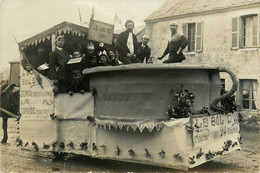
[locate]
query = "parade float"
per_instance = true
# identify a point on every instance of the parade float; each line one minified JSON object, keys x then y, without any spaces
{"x":157,"y":114}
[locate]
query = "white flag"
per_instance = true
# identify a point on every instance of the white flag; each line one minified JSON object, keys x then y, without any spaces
{"x":117,"y":19}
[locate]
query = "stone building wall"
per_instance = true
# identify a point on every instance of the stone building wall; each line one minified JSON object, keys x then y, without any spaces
{"x":217,"y":43}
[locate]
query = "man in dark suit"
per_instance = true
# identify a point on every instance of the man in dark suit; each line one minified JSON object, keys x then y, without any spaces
{"x":58,"y":66}
{"x":145,"y":50}
{"x":127,"y":45}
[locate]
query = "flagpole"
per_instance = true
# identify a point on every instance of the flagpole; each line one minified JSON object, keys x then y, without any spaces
{"x":16,"y":40}
{"x":80,"y":16}
{"x":115,"y":19}
{"x":92,"y":16}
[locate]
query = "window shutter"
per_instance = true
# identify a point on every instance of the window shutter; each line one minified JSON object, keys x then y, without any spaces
{"x":199,"y":37}
{"x":235,"y":36}
{"x":185,"y":33}
{"x":259,"y":30}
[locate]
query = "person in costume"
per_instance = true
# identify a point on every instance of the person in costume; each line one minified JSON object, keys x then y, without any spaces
{"x":175,"y":46}
{"x":127,"y":45}
{"x":112,"y":58}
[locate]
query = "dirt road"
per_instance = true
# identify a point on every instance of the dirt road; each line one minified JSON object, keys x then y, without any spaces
{"x":17,"y":160}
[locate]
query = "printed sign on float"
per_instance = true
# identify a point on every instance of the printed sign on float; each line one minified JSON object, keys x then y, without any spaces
{"x":101,"y":32}
{"x":214,"y":127}
{"x":36,"y":102}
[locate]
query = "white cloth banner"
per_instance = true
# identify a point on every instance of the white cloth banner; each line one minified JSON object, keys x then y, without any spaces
{"x":78,"y":106}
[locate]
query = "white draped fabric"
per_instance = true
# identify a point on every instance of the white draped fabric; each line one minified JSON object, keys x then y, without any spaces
{"x":130,"y":42}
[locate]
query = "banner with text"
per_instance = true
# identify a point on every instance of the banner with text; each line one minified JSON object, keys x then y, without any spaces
{"x":101,"y":32}
{"x":214,"y":127}
{"x":36,"y":100}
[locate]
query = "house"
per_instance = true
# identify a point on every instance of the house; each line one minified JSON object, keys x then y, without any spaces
{"x":219,"y":31}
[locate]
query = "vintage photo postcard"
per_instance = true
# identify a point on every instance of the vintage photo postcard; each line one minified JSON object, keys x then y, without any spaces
{"x":129,"y":86}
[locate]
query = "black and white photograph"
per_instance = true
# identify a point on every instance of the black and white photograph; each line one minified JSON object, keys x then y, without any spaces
{"x":130,"y":86}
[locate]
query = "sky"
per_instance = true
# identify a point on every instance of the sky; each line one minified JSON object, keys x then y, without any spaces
{"x":21,"y":19}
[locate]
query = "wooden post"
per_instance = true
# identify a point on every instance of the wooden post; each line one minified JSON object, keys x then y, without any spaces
{"x":53,"y":40}
{"x":9,"y":113}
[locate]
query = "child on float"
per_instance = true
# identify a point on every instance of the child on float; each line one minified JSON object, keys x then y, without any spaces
{"x":90,"y":54}
{"x":77,"y":80}
{"x":103,"y":59}
{"x":112,"y":58}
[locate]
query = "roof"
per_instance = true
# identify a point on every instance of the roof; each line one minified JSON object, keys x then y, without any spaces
{"x":137,"y":30}
{"x":64,"y":27}
{"x":16,"y":60}
{"x":181,"y":7}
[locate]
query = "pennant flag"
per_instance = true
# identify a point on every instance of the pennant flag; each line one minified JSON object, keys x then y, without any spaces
{"x":92,"y":13}
{"x":127,"y":127}
{"x":141,"y":127}
{"x":120,"y":125}
{"x":60,"y":31}
{"x":159,"y":127}
{"x":115,"y":125}
{"x":64,"y":30}
{"x":150,"y":126}
{"x":109,"y":126}
{"x":117,"y":19}
{"x":134,"y":127}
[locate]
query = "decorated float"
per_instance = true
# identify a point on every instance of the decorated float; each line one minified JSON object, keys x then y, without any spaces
{"x":157,"y":114}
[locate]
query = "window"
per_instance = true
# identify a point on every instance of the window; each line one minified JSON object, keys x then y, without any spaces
{"x":191,"y":37}
{"x":193,"y":32}
{"x":223,"y":86}
{"x":249,"y":31}
{"x":249,"y":94}
{"x":246,"y":31}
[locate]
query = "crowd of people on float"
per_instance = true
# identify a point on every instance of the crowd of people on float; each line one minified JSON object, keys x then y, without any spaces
{"x":65,"y":70}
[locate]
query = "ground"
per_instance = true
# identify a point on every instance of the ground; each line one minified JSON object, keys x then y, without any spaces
{"x":17,"y":160}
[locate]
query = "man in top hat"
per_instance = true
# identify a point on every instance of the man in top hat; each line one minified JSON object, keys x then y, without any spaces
{"x":58,"y":66}
{"x":127,"y":45}
{"x":145,"y":50}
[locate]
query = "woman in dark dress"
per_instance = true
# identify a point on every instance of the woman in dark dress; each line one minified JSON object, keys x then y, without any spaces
{"x":176,"y":44}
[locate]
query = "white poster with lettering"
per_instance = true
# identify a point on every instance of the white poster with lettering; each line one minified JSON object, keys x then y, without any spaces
{"x":36,"y":96}
{"x":101,"y":32}
{"x":211,"y":128}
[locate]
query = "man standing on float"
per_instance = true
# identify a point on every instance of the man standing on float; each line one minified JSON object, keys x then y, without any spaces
{"x":127,"y":45}
{"x":176,"y":44}
{"x":58,"y":66}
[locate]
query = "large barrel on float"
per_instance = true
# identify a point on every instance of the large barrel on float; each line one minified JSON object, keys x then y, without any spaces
{"x":143,"y":91}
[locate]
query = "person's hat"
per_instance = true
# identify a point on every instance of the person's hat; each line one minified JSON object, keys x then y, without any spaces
{"x":90,"y":46}
{"x":102,"y":53}
{"x":146,"y":36}
{"x":173,"y":23}
{"x":60,"y":37}
{"x":129,"y":21}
